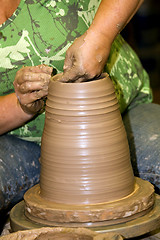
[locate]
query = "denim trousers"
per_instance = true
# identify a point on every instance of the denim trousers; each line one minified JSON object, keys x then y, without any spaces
{"x":19,"y":159}
{"x":19,"y":169}
{"x":142,"y":125}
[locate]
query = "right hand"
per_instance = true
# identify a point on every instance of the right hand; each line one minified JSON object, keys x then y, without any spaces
{"x":86,"y":57}
{"x":31,"y":86}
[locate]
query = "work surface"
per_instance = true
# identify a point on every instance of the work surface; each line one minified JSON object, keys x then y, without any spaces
{"x":152,"y":236}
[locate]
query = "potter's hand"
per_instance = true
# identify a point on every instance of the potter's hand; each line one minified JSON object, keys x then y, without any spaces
{"x":31,"y":86}
{"x":86,"y":57}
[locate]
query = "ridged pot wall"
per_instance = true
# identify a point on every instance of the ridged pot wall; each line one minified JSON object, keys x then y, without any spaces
{"x":85,"y":156}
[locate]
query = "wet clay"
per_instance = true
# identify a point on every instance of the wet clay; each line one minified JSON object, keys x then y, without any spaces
{"x":61,"y":234}
{"x":85,"y":156}
{"x":43,"y":211}
{"x":86,"y":175}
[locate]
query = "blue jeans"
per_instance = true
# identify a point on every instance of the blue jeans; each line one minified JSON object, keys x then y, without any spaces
{"x":19,"y":160}
{"x":19,"y":169}
{"x":142,"y":125}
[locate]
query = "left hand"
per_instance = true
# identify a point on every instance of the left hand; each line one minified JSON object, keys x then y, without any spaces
{"x":86,"y":57}
{"x":31,"y":86}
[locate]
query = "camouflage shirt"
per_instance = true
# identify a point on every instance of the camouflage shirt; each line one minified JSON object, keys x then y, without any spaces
{"x":40,"y":32}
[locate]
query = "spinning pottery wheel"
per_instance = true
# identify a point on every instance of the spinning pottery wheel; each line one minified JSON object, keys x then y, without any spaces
{"x":86,"y":174}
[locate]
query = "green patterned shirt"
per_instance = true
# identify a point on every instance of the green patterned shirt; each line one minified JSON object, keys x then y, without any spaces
{"x":40,"y":32}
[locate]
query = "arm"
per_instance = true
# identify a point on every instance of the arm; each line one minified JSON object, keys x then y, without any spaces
{"x":31,"y":86}
{"x":12,"y":115}
{"x":86,"y":58}
{"x":112,"y":16}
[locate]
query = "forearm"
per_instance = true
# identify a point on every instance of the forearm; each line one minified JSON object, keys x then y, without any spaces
{"x":112,"y":16}
{"x":87,"y":56}
{"x":11,"y":114}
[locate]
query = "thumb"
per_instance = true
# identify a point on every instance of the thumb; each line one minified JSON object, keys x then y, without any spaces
{"x":72,"y":75}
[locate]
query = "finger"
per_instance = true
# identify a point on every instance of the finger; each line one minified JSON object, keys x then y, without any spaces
{"x":81,"y":79}
{"x":33,"y":86}
{"x":33,"y":107}
{"x":31,"y":97}
{"x":32,"y":76}
{"x":72,"y":75}
{"x":29,"y":70}
{"x":38,"y":69}
{"x":69,"y":76}
{"x":38,"y":94}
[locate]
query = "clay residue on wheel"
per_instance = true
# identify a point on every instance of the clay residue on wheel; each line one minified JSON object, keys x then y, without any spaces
{"x":63,"y":236}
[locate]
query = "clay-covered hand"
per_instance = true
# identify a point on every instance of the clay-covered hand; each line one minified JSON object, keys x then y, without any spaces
{"x":85,"y":59}
{"x":31,"y":87}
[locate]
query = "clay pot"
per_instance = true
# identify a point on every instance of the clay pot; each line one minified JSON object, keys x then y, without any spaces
{"x":85,"y":156}
{"x":60,"y":234}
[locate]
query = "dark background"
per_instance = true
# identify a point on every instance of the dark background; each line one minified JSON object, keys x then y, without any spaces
{"x":143,"y":34}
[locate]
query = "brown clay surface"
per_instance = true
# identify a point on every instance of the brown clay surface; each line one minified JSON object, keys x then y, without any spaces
{"x":47,"y":212}
{"x":85,"y":156}
{"x":60,"y":234}
{"x":136,"y":227}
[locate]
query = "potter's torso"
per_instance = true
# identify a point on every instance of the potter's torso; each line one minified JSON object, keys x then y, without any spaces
{"x":40,"y":32}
